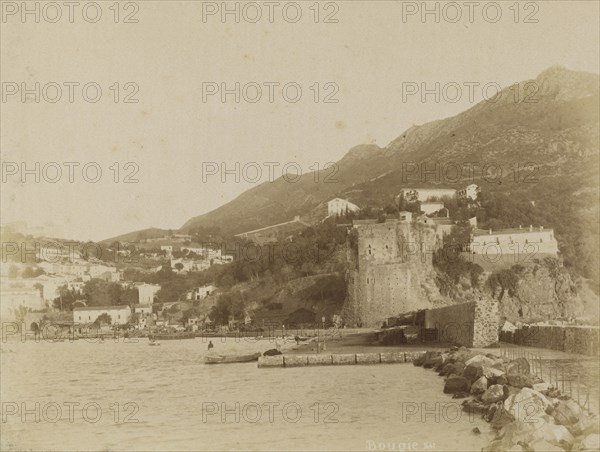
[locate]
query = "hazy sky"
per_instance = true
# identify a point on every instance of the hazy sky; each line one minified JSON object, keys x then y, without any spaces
{"x":170,"y":52}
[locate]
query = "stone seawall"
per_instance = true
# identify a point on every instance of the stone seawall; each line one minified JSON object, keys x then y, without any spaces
{"x":473,"y":324}
{"x":343,"y":359}
{"x":571,"y":339}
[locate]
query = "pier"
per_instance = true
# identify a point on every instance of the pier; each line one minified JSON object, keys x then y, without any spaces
{"x":342,"y":359}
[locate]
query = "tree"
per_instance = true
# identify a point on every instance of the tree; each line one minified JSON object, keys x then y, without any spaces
{"x":179,"y":266}
{"x":31,"y":272}
{"x":103,"y":319}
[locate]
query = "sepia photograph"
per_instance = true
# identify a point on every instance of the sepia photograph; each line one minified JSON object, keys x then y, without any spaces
{"x":311,"y":225}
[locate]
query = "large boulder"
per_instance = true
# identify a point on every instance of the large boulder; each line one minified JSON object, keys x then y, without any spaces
{"x":516,"y":432}
{"x":518,"y":366}
{"x":453,"y":368}
{"x":586,"y":425}
{"x":591,"y":442}
{"x":482,"y":360}
{"x":432,"y":360}
{"x":527,"y":405}
{"x":541,"y":387}
{"x":567,"y":412}
{"x":491,"y":372}
{"x":499,"y":380}
{"x":455,"y":385}
{"x":474,"y":406}
{"x":463,"y":354}
{"x":520,"y":381}
{"x":480,"y":386}
{"x":419,"y":360}
{"x":554,"y":434}
{"x":497,"y":415}
{"x":473,"y":372}
{"x":493,"y":394}
{"x":545,"y":446}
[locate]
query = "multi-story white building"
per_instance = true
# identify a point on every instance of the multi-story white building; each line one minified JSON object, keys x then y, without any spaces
{"x":119,"y":315}
{"x":146,"y":293}
{"x":338,"y":206}
{"x":525,"y":241}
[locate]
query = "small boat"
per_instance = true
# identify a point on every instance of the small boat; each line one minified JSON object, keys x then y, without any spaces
{"x":220,"y":359}
{"x":154,"y":343}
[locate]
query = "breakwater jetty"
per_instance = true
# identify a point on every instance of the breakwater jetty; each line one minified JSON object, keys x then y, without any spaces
{"x":342,"y":359}
{"x":527,"y":413}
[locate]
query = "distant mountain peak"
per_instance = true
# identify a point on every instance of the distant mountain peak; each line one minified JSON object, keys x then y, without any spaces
{"x":566,"y":85}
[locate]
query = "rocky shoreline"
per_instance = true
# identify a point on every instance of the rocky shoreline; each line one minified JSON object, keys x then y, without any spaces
{"x":526,"y":413}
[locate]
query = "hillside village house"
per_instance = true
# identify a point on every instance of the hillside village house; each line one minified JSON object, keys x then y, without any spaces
{"x":144,"y":315}
{"x":199,"y":293}
{"x":338,"y":206}
{"x":119,"y":315}
{"x":51,"y":285}
{"x":431,"y":207}
{"x":514,"y":241}
{"x":146,"y":293}
{"x":469,"y":192}
{"x":168,"y":249}
{"x":426,"y":194}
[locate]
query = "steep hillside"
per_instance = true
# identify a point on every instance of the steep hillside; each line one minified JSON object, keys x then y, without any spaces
{"x":554,"y":126}
{"x":535,"y":147}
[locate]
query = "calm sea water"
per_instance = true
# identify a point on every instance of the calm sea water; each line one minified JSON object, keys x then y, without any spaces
{"x":138,"y":397}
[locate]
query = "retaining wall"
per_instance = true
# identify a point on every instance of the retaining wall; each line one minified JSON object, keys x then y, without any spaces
{"x":570,"y":339}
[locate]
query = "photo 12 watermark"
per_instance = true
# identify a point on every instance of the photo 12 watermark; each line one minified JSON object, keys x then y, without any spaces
{"x":69,"y":172}
{"x":255,"y":172}
{"x":62,"y":12}
{"x":269,"y":412}
{"x":469,"y":12}
{"x":229,"y":12}
{"x":68,"y":411}
{"x":289,"y":92}
{"x":453,"y":92}
{"x":90,"y":92}
{"x":453,"y":172}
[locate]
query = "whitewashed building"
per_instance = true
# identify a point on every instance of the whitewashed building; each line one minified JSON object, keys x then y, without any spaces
{"x":525,"y":241}
{"x":199,"y":293}
{"x":119,"y":315}
{"x":146,"y":293}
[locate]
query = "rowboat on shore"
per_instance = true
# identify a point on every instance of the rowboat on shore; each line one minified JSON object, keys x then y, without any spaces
{"x":220,"y":359}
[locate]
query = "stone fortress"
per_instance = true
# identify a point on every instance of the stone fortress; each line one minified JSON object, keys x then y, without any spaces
{"x":391,"y":272}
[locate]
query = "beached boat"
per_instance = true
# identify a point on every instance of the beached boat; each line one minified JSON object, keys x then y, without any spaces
{"x":220,"y":359}
{"x":154,"y":343}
